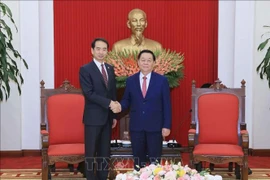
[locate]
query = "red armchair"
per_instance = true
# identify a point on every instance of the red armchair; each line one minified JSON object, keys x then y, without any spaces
{"x":62,"y":130}
{"x":218,"y":130}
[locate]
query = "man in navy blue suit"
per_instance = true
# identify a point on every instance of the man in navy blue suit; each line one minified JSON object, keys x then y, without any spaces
{"x":148,"y":96}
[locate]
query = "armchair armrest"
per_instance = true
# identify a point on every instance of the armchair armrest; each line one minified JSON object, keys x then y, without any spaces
{"x":44,"y":138}
{"x":245,"y":139}
{"x":44,"y":132}
{"x":191,"y":137}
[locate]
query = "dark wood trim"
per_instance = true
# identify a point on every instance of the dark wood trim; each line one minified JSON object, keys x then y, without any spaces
{"x":260,"y":152}
{"x":31,"y":153}
{"x":11,"y":153}
{"x":20,"y":153}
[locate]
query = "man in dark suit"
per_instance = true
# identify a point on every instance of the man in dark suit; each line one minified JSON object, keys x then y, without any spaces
{"x":148,"y":96}
{"x":98,"y":84}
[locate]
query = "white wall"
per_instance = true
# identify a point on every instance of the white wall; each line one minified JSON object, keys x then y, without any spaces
{"x":10,"y":129}
{"x":238,"y":57}
{"x":243,"y":54}
{"x":226,"y":27}
{"x":261,"y":91}
{"x":20,"y":115}
{"x":240,"y":28}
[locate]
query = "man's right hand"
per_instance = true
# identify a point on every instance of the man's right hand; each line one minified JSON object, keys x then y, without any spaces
{"x":115,"y":106}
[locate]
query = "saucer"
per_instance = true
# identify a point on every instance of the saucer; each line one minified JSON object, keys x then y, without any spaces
{"x":172,"y":141}
{"x":164,"y":143}
{"x":126,"y":142}
{"x":114,"y":141}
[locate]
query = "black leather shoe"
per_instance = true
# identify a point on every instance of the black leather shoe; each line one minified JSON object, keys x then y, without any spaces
{"x":249,"y":171}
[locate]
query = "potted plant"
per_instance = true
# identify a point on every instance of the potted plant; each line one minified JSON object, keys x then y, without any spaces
{"x":264,"y":66}
{"x":9,"y":56}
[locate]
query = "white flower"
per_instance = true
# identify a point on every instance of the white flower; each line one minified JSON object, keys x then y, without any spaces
{"x":211,"y":177}
{"x":152,"y":167}
{"x":121,"y":177}
{"x":161,"y":173}
{"x":175,"y":167}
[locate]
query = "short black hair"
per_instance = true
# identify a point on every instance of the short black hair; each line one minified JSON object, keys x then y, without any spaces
{"x":93,"y":44}
{"x":147,"y":51}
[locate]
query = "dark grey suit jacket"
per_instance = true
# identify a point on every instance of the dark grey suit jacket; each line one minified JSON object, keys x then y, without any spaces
{"x":97,"y":95}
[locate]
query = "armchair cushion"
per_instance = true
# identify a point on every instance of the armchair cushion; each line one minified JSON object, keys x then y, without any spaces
{"x":66,"y":149}
{"x":218,"y":149}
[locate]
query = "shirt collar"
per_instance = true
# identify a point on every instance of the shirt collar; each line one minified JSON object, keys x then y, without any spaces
{"x":98,"y":63}
{"x":148,"y":76}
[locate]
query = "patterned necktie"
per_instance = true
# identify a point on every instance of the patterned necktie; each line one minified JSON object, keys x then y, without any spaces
{"x":144,"y":86}
{"x":104,"y":75}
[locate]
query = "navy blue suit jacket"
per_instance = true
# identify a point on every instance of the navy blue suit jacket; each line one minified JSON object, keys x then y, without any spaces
{"x":153,"y":112}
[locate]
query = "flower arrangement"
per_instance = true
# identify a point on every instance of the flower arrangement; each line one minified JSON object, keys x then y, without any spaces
{"x":167,"y":172}
{"x":168,"y":63}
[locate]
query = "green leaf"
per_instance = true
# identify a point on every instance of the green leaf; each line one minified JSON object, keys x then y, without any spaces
{"x":262,"y":45}
{"x":21,"y":79}
{"x":7,"y":12}
{"x":6,"y":83}
{"x":6,"y":28}
{"x":2,"y":5}
{"x":1,"y":95}
{"x":6,"y":9}
{"x":267,"y":56}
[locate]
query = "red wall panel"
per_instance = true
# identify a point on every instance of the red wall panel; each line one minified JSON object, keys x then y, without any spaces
{"x":189,"y":27}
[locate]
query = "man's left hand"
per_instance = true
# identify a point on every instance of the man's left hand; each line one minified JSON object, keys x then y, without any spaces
{"x":165,"y":132}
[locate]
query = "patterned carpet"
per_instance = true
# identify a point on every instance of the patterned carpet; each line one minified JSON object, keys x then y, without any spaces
{"x":64,"y":174}
{"x":30,"y":168}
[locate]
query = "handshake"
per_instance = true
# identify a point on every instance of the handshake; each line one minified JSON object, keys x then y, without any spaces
{"x":115,"y":106}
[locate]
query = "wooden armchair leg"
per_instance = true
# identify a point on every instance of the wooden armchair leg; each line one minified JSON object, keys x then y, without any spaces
{"x":45,"y":173}
{"x":212,"y":166}
{"x":81,"y":168}
{"x":191,"y":162}
{"x":45,"y":165}
{"x":230,"y":168}
{"x":52,"y":168}
{"x":244,"y":173}
{"x":71,"y":167}
{"x":198,"y":167}
{"x":237,"y":171}
{"x":49,"y":174}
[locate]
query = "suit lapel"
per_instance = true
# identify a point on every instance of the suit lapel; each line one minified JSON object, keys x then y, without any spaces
{"x":151,"y":85}
{"x":137,"y":84}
